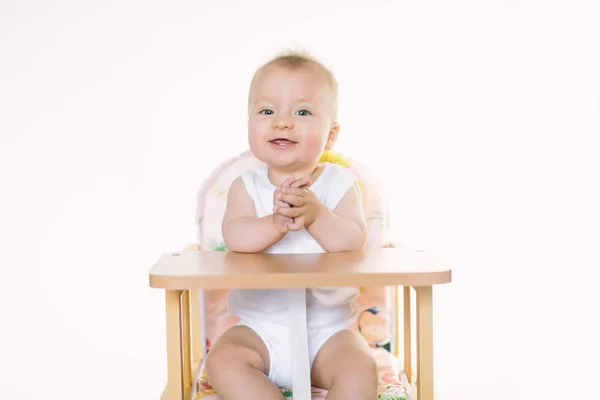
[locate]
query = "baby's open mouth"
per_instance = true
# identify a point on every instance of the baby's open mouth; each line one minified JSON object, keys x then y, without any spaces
{"x":283,"y":143}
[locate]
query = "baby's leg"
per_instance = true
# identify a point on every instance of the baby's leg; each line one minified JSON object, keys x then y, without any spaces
{"x":237,"y":366}
{"x":346,"y":368}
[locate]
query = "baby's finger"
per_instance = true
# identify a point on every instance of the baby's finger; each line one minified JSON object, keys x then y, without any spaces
{"x":301,"y":183}
{"x":290,"y":180}
{"x":276,"y":195}
{"x":302,"y":192}
{"x":296,"y":225}
{"x":291,"y":199}
{"x":281,"y":203}
{"x":291,"y":212}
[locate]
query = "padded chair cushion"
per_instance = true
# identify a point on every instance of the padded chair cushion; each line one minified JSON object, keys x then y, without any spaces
{"x":393,"y":384}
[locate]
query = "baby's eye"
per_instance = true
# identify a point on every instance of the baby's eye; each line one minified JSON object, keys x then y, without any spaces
{"x":303,"y":112}
{"x":266,"y":112}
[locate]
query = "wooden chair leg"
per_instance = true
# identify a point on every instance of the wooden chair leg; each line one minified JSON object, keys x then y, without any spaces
{"x":396,"y":323}
{"x":407,"y":334}
{"x":187,"y":349}
{"x":424,"y":343}
{"x":196,"y":333}
{"x":174,"y":346}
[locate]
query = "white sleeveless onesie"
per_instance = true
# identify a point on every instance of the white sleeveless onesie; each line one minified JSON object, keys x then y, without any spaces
{"x":273,"y":313}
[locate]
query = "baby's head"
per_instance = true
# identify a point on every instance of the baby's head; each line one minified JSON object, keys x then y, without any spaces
{"x":292,"y":109}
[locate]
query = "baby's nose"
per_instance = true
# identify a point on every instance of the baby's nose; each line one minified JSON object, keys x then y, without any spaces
{"x":283,"y":123}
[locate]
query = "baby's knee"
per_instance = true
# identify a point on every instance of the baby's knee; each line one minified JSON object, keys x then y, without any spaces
{"x":223,"y":357}
{"x":355,"y":359}
{"x":361,"y":364}
{"x":236,"y":348}
{"x":356,"y":376}
{"x":349,"y":351}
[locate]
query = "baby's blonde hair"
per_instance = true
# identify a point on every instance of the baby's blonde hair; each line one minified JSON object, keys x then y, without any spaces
{"x":294,"y":60}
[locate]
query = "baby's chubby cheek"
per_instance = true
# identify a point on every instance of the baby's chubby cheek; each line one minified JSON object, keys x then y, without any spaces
{"x":259,"y":134}
{"x":313,"y":143}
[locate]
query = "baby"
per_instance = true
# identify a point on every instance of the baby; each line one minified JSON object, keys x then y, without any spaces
{"x":293,"y":204}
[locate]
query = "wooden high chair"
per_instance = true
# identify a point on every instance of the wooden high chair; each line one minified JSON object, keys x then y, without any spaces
{"x":186,"y":275}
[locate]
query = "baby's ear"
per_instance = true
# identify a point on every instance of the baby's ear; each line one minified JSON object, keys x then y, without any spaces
{"x":334,"y":131}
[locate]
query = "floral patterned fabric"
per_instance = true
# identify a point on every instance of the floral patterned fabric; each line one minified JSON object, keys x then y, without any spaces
{"x":393,"y":384}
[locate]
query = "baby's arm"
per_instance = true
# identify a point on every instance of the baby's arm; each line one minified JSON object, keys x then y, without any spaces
{"x":343,"y":229}
{"x":242,"y":231}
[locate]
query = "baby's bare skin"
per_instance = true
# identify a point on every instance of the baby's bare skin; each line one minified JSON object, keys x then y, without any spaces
{"x":291,"y":122}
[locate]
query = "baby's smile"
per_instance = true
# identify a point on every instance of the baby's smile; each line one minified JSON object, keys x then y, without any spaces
{"x":282,"y":143}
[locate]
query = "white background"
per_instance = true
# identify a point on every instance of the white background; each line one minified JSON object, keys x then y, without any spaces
{"x":481,"y":117}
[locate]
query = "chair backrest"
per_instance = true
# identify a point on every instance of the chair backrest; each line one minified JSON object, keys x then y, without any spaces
{"x":376,"y":305}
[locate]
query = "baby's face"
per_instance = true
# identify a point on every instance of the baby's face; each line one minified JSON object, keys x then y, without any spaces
{"x":290,"y":117}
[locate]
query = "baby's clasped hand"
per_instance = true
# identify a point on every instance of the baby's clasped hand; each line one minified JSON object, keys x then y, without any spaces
{"x":304,"y":210}
{"x":282,"y":222}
